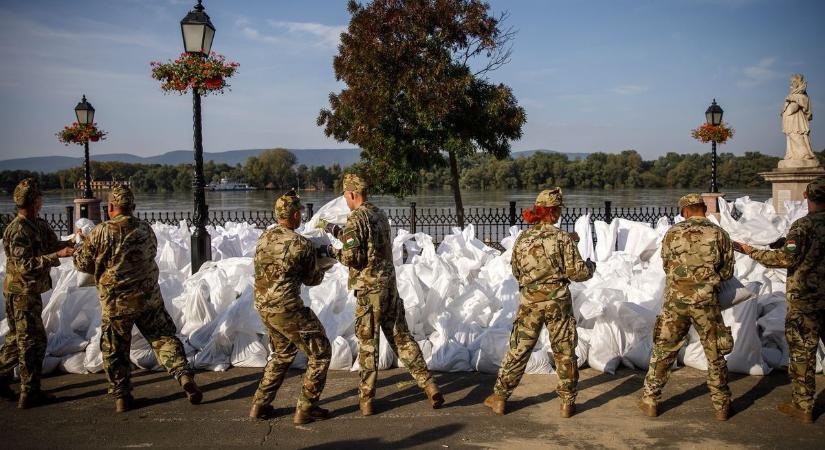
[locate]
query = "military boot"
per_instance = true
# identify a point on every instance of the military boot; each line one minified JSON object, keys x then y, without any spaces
{"x":6,"y":391}
{"x":567,"y":410}
{"x":496,"y":403}
{"x":723,"y":413}
{"x":32,"y":399}
{"x":123,"y":404}
{"x":193,"y":392}
{"x":366,"y":407}
{"x":260,"y":411}
{"x":434,"y":395}
{"x":790,"y":409}
{"x":310,"y":415}
{"x":648,"y":409}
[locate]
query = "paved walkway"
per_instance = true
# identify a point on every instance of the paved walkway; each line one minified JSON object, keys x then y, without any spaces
{"x":608,"y":418}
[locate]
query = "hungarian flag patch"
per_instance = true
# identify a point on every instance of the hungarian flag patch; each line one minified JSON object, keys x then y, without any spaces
{"x":349,"y":239}
{"x":790,"y":246}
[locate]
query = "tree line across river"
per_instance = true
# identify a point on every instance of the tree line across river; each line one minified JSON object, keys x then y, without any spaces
{"x":277,"y":169}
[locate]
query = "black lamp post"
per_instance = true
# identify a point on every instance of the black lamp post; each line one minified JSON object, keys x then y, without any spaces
{"x":713,"y":116}
{"x":198,"y":32}
{"x":86,"y":116}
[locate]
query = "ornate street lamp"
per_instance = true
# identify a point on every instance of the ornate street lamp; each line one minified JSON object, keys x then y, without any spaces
{"x":85,"y":113}
{"x":197,"y":31}
{"x":713,"y":116}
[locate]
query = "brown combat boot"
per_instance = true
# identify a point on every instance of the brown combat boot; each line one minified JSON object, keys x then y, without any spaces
{"x":648,"y":409}
{"x":567,"y":410}
{"x":193,"y":392}
{"x":790,"y":409}
{"x":260,"y":411}
{"x":496,"y":403}
{"x":366,"y":407}
{"x":723,"y":414}
{"x":32,"y":399}
{"x":434,"y":395}
{"x":123,"y":404}
{"x":310,"y":415}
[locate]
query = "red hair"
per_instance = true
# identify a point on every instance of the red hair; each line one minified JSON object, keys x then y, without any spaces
{"x":536,"y":214}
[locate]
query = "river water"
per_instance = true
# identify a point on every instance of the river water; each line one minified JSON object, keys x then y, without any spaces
{"x":56,"y":201}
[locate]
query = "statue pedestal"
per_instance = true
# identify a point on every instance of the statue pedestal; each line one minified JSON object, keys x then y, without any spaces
{"x":712,"y":202}
{"x":86,"y":207}
{"x":790,"y":180}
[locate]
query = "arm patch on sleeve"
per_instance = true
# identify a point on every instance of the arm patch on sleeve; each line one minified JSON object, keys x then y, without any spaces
{"x":790,"y":246}
{"x":350,"y":240}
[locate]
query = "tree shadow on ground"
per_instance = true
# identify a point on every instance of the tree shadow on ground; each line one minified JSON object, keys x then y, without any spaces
{"x":517,"y":405}
{"x":425,"y":438}
{"x":762,"y":388}
{"x":632,"y":383}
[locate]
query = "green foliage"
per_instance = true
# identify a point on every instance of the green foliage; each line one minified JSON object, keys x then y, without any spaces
{"x":411,"y":93}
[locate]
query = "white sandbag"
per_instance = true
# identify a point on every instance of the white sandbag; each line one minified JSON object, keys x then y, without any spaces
{"x":732,"y":292}
{"x":73,"y":363}
{"x":493,"y":345}
{"x":342,"y":357}
{"x":585,"y":245}
{"x":605,"y":239}
{"x":249,"y":350}
{"x":447,"y":354}
{"x":539,"y":362}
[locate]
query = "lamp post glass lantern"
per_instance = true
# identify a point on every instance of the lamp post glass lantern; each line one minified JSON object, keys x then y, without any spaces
{"x":713,"y":116}
{"x":85,"y":113}
{"x":197,"y":31}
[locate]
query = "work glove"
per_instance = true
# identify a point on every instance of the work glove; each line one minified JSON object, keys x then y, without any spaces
{"x":779,"y":243}
{"x":329,"y":227}
{"x":324,"y":251}
{"x":591,"y":265}
{"x":574,"y":236}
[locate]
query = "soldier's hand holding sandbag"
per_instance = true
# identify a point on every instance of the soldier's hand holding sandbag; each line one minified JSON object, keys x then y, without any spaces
{"x":329,"y":227}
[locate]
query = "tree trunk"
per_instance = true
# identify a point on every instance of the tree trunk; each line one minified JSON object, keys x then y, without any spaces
{"x":459,"y":206}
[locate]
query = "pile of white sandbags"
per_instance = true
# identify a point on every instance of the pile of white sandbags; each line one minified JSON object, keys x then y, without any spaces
{"x":460,"y":300}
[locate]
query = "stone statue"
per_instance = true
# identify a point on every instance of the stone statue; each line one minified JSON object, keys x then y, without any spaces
{"x":796,"y":113}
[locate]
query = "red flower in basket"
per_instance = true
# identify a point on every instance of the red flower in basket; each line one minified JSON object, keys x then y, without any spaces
{"x":206,"y":74}
{"x":213,"y":83}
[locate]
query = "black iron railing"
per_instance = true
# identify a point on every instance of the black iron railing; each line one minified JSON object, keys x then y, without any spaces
{"x":491,"y":224}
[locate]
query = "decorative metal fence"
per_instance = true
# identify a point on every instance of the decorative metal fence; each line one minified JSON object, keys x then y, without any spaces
{"x":491,"y":224}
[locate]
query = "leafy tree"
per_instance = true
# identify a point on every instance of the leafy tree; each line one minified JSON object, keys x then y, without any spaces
{"x":416,"y":88}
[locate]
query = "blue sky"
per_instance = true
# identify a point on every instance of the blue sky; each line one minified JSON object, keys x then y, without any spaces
{"x":592,"y":75}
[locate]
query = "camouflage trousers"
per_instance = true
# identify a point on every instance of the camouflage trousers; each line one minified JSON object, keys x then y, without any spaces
{"x":383,"y":310}
{"x":803,"y":331}
{"x":155,"y":324}
{"x":288,"y":333}
{"x":25,"y":343}
{"x":670,"y":334}
{"x":557,"y":316}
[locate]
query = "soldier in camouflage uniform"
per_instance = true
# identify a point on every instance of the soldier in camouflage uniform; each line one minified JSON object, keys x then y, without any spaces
{"x":697,"y":256}
{"x":545,"y":260}
{"x":120,"y":253}
{"x":367,"y":252}
{"x":802,"y":254}
{"x":32,"y":249}
{"x":283,"y":261}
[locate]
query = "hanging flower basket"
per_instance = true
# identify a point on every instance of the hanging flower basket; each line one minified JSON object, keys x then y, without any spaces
{"x":191,"y":71}
{"x":80,"y":134}
{"x":707,"y":133}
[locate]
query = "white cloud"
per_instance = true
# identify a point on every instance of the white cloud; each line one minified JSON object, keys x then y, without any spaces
{"x":324,"y":35}
{"x":629,"y":89}
{"x":759,"y":73}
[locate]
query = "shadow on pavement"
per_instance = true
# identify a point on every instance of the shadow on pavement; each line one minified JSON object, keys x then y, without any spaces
{"x":761,"y":389}
{"x":627,"y":387}
{"x":422,"y":438}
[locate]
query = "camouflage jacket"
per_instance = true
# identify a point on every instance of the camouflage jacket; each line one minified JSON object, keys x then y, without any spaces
{"x":803,"y":256}
{"x":30,"y":248}
{"x":120,"y":253}
{"x":697,"y":255}
{"x":367,"y":248}
{"x":545,"y":260}
{"x":283,"y":261}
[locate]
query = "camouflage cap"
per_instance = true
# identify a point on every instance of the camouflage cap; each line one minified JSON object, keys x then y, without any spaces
{"x":815,"y":191}
{"x":122,"y":197}
{"x":550,"y":197}
{"x":354,"y":183}
{"x":287,"y":204}
{"x":26,"y":193}
{"x":691,"y":200}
